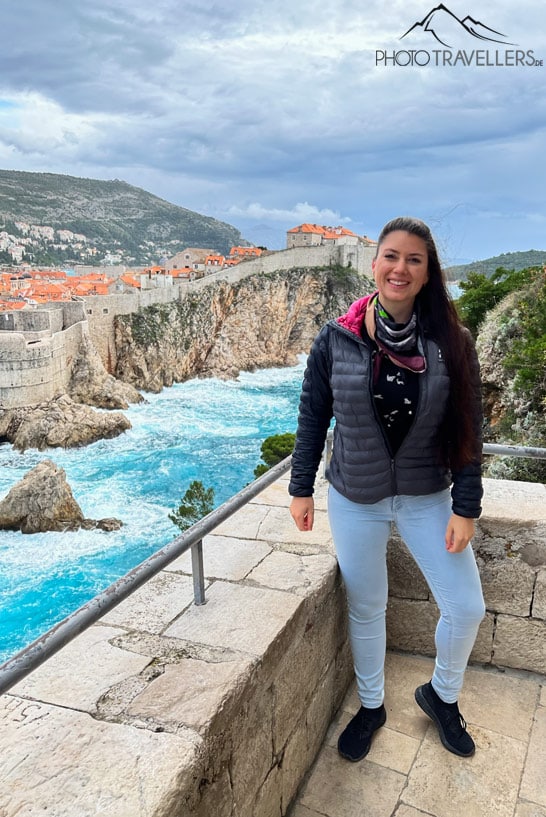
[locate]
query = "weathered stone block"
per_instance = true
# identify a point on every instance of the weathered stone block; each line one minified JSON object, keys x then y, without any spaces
{"x":319,"y":714}
{"x":520,"y":643}
{"x":313,"y":647}
{"x":252,"y":755}
{"x":62,"y":762}
{"x":508,"y":586}
{"x":411,"y":625}
{"x":216,"y":798}
{"x":405,"y":578}
{"x":539,"y":601}
{"x":268,"y":800}
{"x":482,"y":650}
{"x":196,"y":694}
{"x":295,"y":762}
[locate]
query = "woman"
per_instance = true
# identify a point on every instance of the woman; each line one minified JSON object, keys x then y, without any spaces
{"x":400,"y":375}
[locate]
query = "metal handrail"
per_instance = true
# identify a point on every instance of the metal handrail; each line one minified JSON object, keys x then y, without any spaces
{"x":32,"y":656}
{"x":29,"y":658}
{"x":515,"y":451}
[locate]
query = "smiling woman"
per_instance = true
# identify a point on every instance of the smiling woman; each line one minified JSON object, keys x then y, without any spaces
{"x":400,"y":376}
{"x":400,"y":270}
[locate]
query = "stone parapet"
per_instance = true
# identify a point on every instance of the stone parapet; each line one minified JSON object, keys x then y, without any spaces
{"x":165,"y":709}
{"x":510,"y":547}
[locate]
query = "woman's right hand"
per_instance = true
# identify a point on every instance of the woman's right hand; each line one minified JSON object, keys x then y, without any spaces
{"x":302,"y":509}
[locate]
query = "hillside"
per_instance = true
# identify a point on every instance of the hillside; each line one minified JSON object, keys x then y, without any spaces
{"x":113,"y":216}
{"x":508,"y":260}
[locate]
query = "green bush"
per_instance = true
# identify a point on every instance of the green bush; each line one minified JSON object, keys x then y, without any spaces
{"x":481,"y":294}
{"x":196,"y":503}
{"x":275,"y":449}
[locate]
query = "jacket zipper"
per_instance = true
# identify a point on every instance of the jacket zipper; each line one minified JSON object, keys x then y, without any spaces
{"x":380,"y":424}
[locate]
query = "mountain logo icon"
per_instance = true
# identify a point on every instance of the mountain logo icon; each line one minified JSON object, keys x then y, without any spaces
{"x":448,"y":30}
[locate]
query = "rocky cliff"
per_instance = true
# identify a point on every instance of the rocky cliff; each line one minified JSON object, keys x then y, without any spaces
{"x":261,"y":321}
{"x":514,"y":415}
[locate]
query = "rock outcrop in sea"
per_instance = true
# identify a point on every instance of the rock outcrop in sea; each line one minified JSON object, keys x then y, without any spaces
{"x":43,"y":501}
{"x":59,"y":423}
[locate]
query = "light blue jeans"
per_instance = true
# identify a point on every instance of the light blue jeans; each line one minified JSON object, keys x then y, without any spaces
{"x":360,"y":534}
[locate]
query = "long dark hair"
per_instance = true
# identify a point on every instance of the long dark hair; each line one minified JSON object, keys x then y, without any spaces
{"x":439,"y":319}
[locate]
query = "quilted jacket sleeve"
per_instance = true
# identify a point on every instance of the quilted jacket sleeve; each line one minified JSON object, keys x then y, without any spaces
{"x":315,"y":413}
{"x":467,"y":489}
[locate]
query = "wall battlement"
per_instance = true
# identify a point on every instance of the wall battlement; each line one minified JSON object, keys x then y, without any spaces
{"x":37,"y":365}
{"x":37,"y":349}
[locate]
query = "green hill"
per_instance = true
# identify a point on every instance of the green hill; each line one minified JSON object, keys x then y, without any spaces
{"x":508,"y":260}
{"x":113,"y":215}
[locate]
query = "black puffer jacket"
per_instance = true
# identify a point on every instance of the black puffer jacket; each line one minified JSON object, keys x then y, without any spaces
{"x":338,"y":383}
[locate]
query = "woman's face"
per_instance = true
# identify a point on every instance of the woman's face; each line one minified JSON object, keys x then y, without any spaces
{"x":400,"y":271}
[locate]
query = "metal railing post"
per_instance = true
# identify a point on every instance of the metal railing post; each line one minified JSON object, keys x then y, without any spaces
{"x":198,"y":573}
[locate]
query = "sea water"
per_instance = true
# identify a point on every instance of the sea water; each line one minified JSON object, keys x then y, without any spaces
{"x":208,"y":430}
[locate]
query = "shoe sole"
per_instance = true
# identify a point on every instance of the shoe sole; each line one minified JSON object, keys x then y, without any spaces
{"x":363,"y":755}
{"x":428,"y":710}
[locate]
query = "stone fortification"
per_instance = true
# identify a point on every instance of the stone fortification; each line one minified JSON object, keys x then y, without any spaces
{"x":38,"y":347}
{"x":102,"y":311}
{"x":36,"y":364}
{"x":165,"y":709}
{"x":47,"y":352}
{"x":224,"y":327}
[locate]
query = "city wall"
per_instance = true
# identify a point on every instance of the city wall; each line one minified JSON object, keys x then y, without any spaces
{"x":37,"y":346}
{"x":37,"y":350}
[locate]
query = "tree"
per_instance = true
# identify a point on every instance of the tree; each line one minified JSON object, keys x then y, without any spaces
{"x":196,"y":503}
{"x":481,"y":294}
{"x":275,"y":449}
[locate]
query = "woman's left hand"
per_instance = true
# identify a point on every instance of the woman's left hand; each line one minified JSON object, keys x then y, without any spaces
{"x":460,"y":531}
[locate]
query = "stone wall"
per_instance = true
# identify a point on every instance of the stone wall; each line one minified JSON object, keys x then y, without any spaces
{"x":510,"y":547}
{"x":359,"y":257}
{"x":101,"y":311}
{"x":35,"y":370}
{"x":164,"y":709}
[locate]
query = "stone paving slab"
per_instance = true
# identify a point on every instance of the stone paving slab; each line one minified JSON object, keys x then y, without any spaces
{"x":154,"y":605}
{"x":498,"y":502}
{"x":82,"y":671}
{"x":71,"y":772}
{"x":239,"y":629}
{"x":189,"y":693}
{"x":225,"y":557}
{"x":485,"y":785}
{"x":533,"y":785}
{"x":338,"y":788}
{"x":292,"y":572}
{"x":274,"y":528}
{"x":506,"y":715}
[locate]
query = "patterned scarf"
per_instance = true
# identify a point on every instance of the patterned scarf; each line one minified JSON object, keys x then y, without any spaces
{"x":399,"y":341}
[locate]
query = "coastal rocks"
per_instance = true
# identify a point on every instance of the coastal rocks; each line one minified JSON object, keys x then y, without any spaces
{"x":43,"y":501}
{"x":91,"y":384}
{"x":261,"y":321}
{"x":59,"y":423}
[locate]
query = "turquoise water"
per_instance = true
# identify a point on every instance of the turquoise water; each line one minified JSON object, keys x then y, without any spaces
{"x":209,"y":430}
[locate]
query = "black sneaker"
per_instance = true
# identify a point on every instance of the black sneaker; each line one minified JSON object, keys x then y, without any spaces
{"x":451,"y":724}
{"x":355,"y":740}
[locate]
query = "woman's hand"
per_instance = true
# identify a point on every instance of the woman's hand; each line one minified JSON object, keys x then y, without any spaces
{"x":460,"y":531}
{"x":302,"y":509}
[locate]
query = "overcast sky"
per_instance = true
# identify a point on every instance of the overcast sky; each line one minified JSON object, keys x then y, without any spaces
{"x":268,"y":114}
